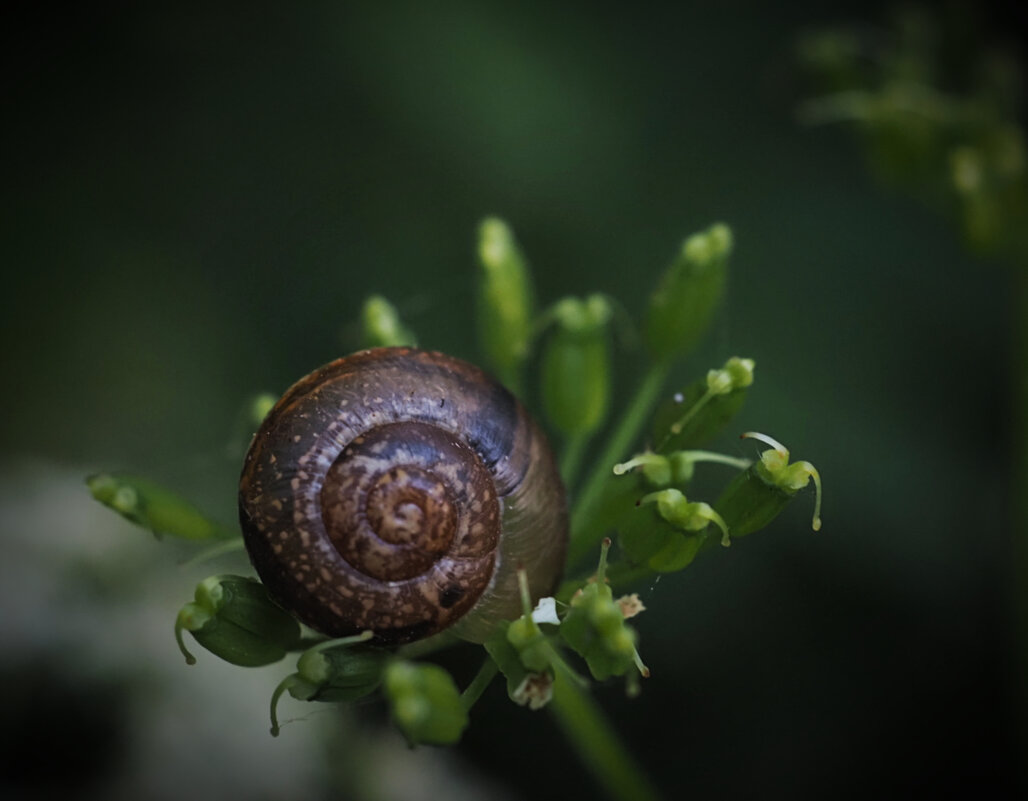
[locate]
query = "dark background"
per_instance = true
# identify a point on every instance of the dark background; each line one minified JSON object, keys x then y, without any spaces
{"x":197,"y":199}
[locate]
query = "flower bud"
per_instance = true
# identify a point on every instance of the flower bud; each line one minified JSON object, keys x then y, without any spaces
{"x":426,"y":705}
{"x":382,"y":327}
{"x":153,"y":507}
{"x":525,"y":636}
{"x":505,"y":303}
{"x":595,"y":628}
{"x":524,"y":687}
{"x":704,"y":408}
{"x":666,"y":531}
{"x":689,"y":293}
{"x":674,"y":469}
{"x":528,"y":640}
{"x":334,"y":672}
{"x":234,"y":618}
{"x":757,"y":495}
{"x":576,"y":366}
{"x":684,"y":515}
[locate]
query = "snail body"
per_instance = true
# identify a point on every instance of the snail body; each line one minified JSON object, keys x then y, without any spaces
{"x":399,"y":490}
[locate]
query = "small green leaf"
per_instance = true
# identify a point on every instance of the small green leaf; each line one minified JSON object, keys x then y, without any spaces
{"x":425,"y":703}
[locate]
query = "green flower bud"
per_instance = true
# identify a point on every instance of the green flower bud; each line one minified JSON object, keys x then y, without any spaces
{"x":426,"y":705}
{"x":595,"y":628}
{"x":524,"y":687}
{"x":757,"y":496}
{"x":525,"y":655}
{"x":258,"y":408}
{"x":676,"y":468}
{"x":704,"y":408}
{"x":153,"y":507}
{"x":528,"y":640}
{"x":689,"y":293}
{"x":677,"y":510}
{"x":665,"y":531}
{"x":332,"y":672}
{"x":656,"y":468}
{"x":525,"y":636}
{"x":576,"y":366}
{"x":234,"y":618}
{"x":648,"y":539}
{"x":382,"y":327}
{"x":967,"y":169}
{"x":505,"y":302}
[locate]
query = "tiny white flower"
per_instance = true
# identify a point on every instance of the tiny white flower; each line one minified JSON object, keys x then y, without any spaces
{"x":630,"y":605}
{"x":546,"y":611}
{"x":535,"y":690}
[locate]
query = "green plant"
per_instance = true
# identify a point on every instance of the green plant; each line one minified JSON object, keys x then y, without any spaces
{"x":643,"y":500}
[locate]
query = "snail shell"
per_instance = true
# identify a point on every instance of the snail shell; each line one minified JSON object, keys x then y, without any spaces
{"x":399,"y":490}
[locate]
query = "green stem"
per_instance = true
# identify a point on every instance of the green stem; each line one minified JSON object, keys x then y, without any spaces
{"x":422,"y":648}
{"x":719,"y":458}
{"x":285,"y":684}
{"x":482,"y":679}
{"x":585,"y":532}
{"x":571,"y":459}
{"x":597,"y":743}
{"x":235,"y":544}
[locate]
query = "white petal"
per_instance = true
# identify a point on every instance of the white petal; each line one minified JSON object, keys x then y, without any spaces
{"x":546,"y":611}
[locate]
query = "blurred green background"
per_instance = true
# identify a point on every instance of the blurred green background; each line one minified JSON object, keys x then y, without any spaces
{"x":196,"y":201}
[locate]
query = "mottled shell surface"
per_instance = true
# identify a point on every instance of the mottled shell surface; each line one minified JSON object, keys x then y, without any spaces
{"x":399,"y":490}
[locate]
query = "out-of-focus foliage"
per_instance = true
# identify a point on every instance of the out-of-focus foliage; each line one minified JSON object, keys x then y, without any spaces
{"x":938,"y":112}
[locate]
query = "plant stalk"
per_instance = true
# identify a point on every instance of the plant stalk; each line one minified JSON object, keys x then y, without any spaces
{"x":482,"y":679}
{"x":597,"y":744}
{"x":571,"y":459}
{"x":585,"y":532}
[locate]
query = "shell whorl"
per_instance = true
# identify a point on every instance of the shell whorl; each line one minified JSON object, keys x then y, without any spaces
{"x":399,"y":490}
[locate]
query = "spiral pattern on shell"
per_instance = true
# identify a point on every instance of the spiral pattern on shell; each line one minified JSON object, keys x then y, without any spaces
{"x":399,"y":490}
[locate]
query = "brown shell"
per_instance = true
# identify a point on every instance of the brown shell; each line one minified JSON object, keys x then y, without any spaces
{"x":399,"y":490}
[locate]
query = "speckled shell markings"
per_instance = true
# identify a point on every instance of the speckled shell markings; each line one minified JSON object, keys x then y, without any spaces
{"x":445,"y":426}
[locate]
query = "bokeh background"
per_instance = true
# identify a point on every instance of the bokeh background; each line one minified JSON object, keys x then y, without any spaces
{"x":197,"y":199}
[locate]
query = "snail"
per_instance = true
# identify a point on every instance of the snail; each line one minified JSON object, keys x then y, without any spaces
{"x":399,"y":490}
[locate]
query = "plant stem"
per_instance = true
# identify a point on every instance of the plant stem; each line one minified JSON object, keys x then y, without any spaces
{"x":571,"y":459}
{"x":597,"y":744}
{"x":482,"y":679}
{"x":585,"y":535}
{"x":422,"y":648}
{"x":222,"y":548}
